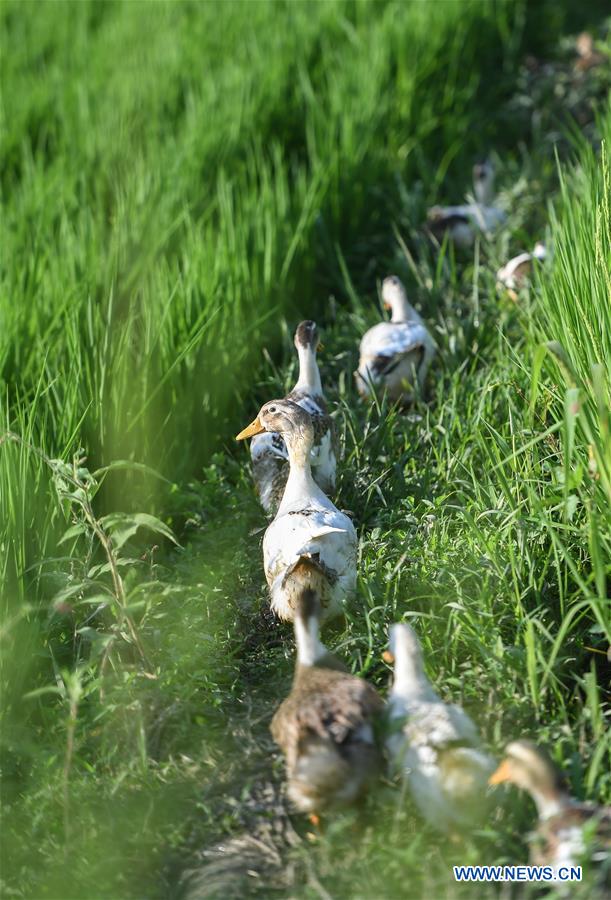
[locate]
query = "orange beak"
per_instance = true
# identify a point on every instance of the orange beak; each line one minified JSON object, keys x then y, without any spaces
{"x":250,"y":430}
{"x":388,"y":657}
{"x":386,"y":305}
{"x":503,"y":773}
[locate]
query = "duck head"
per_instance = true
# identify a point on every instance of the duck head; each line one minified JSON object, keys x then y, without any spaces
{"x":483,"y":181}
{"x":289,"y":420}
{"x":540,"y":250}
{"x":402,"y":642}
{"x":529,"y":768}
{"x":282,"y":416}
{"x":307,"y":335}
{"x":307,"y":342}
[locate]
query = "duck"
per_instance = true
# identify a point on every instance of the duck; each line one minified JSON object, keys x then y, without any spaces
{"x":465,"y":221}
{"x":326,"y":727}
{"x":588,"y":57}
{"x":567,"y":829}
{"x":516,"y":273}
{"x":395,"y":355}
{"x":434,"y":745}
{"x":309,"y":543}
{"x":269,"y":457}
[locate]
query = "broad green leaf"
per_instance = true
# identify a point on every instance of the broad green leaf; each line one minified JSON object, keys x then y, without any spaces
{"x":73,"y":531}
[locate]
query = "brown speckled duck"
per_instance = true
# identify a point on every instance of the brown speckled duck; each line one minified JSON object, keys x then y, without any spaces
{"x":325,"y":725}
{"x":270,"y":461}
{"x":567,"y":830}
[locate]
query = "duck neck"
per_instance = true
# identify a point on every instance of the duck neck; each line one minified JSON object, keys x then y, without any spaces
{"x":309,"y":376}
{"x":400,"y":310}
{"x":410,"y":682}
{"x":309,"y":646}
{"x":300,"y":480}
{"x":484,"y":191}
{"x":548,"y":802}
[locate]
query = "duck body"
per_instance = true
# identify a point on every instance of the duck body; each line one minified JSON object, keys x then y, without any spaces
{"x":438,"y":749}
{"x":395,"y":356}
{"x":309,"y":543}
{"x":516,"y":273}
{"x":325,"y":726}
{"x":433,"y":744}
{"x":561,"y":839}
{"x":269,"y":456}
{"x":465,"y":221}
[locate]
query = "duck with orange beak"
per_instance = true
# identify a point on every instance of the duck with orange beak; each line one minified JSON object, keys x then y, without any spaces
{"x":395,"y":356}
{"x":310,"y":543}
{"x":434,"y":745}
{"x":568,"y":832}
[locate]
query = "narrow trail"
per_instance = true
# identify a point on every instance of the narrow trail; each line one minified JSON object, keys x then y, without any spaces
{"x":250,"y":833}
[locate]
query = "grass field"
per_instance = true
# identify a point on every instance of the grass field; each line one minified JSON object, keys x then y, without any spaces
{"x":181,"y":184}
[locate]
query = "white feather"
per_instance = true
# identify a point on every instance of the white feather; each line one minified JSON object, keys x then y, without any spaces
{"x":433,"y":744}
{"x":517,"y":270}
{"x":394,"y":340}
{"x":309,"y":527}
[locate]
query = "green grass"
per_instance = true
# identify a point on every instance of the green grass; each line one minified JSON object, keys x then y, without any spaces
{"x":181,"y":184}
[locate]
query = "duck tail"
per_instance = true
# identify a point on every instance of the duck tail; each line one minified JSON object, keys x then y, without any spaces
{"x":465,"y":772}
{"x":317,"y":774}
{"x":308,"y":572}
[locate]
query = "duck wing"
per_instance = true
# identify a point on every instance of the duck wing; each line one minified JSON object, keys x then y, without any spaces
{"x":440,"y":726}
{"x":298,"y":532}
{"x":324,"y":703}
{"x":386,"y":344}
{"x":563,"y":839}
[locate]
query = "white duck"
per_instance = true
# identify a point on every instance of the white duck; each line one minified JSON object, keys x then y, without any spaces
{"x":516,"y":273}
{"x":268,"y":451}
{"x":433,"y":744}
{"x":465,"y":221}
{"x":395,"y":355}
{"x":310,"y":543}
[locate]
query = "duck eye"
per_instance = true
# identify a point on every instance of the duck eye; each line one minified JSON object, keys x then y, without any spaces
{"x":271,"y":409}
